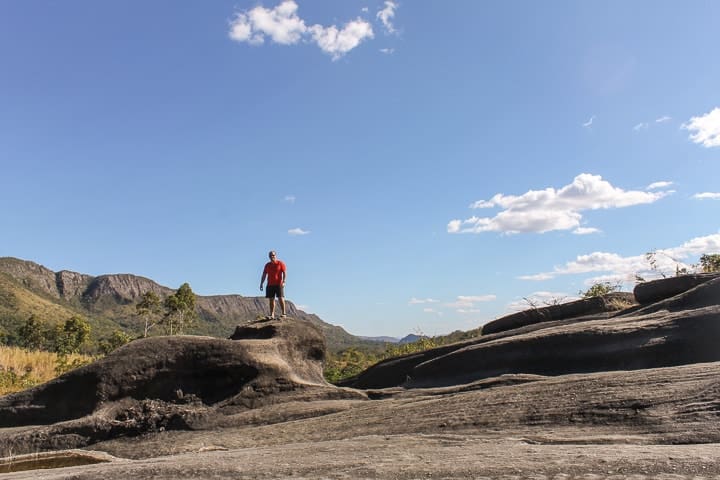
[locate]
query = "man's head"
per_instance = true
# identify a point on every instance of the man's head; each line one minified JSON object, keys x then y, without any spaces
{"x":272,"y":254}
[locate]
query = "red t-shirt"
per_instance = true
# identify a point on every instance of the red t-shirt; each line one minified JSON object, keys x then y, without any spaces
{"x":274,"y":271}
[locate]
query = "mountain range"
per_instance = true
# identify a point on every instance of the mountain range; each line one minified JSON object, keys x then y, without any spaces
{"x":108,"y":303}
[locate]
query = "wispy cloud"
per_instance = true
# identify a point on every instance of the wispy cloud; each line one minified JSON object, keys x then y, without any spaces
{"x":586,"y":231}
{"x":290,"y":198}
{"x":387,"y":51}
{"x":661,"y":184}
{"x":540,"y":211}
{"x":420,"y":301}
{"x":283,"y":26}
{"x":387,"y":14}
{"x":433,"y":311}
{"x":298,"y":231}
{"x":538,"y":277}
{"x":706,"y":129}
{"x":615,"y":267}
{"x":707,"y":195}
{"x":465,"y":302}
{"x":641,"y":126}
{"x":663,"y":119}
{"x":589,"y":122}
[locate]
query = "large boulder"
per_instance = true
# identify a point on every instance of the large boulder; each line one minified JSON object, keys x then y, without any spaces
{"x":262,"y":359}
{"x":622,"y":343}
{"x":657,"y":290}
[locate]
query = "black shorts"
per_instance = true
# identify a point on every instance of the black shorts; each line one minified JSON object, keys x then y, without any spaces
{"x":273,"y":291}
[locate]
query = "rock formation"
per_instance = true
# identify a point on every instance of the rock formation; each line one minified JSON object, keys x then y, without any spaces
{"x":178,"y":382}
{"x":551,"y":395}
{"x":595,"y":337}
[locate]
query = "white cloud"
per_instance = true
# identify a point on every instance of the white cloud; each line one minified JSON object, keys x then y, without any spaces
{"x":420,"y":301}
{"x":586,"y":230}
{"x":707,"y":195}
{"x":619,"y":268}
{"x":298,"y":231}
{"x":589,"y":122}
{"x":656,"y":185}
{"x":290,"y":198}
{"x":282,"y":25}
{"x":387,"y":51}
{"x":640,"y":126}
{"x":476,"y":298}
{"x":696,"y":246}
{"x":387,"y":14}
{"x":336,"y":42}
{"x":541,"y":211}
{"x":706,"y":129}
{"x":466,"y":302}
{"x":365,"y":9}
{"x":537,"y":277}
{"x":432,"y":310}
{"x":663,"y":119}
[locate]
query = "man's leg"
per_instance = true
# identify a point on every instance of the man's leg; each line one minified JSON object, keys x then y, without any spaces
{"x":272,"y":305}
{"x":282,"y":305}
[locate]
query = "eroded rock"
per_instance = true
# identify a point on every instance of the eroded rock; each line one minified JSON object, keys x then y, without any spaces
{"x":263,"y":359}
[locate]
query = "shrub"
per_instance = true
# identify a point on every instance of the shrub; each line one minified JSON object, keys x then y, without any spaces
{"x":710,"y":262}
{"x":71,"y":335}
{"x":115,"y":341}
{"x":599,"y":289}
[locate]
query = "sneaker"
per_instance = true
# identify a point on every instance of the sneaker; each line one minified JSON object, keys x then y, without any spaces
{"x":283,"y":316}
{"x":269,"y":317}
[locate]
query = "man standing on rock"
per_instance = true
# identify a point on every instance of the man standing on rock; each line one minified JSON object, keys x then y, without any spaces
{"x":275,"y":273}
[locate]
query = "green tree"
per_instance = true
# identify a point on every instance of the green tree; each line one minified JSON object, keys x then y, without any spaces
{"x":149,"y":309}
{"x":710,"y":262}
{"x":599,"y":289}
{"x":180,"y":310}
{"x":116,"y":340}
{"x":33,"y":334}
{"x":71,"y":335}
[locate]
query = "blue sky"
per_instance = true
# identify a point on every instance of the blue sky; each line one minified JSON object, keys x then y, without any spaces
{"x":420,"y":166}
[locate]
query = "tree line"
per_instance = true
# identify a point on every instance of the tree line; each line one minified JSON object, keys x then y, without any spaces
{"x":175,"y":315}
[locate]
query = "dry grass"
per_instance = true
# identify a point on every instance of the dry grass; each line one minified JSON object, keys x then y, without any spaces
{"x":619,"y":304}
{"x":21,"y":369}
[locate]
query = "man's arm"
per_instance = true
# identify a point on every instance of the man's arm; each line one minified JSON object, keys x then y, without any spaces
{"x":262,"y":280}
{"x":284,"y":274}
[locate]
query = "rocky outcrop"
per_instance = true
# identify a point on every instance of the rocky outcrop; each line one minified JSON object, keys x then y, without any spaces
{"x":611,"y":302}
{"x":181,"y":382}
{"x":679,"y":330}
{"x":71,"y":284}
{"x":122,"y":288}
{"x":624,"y":393}
{"x":629,"y":343}
{"x":657,"y":290}
{"x":703,"y":295}
{"x":31,"y":275}
{"x":261,"y":358}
